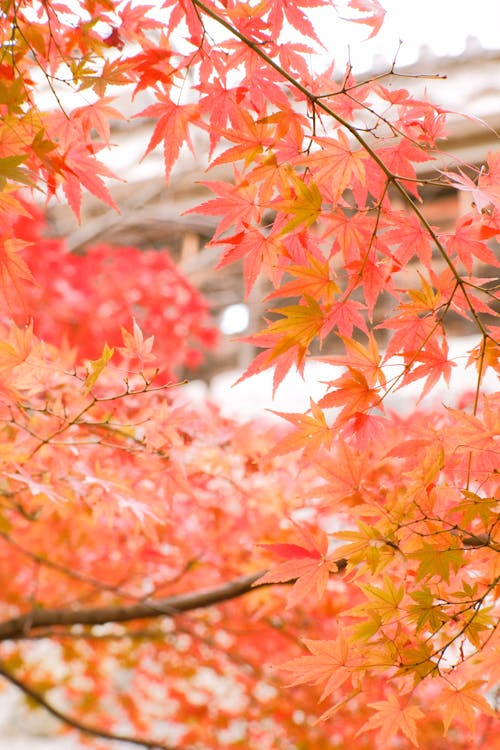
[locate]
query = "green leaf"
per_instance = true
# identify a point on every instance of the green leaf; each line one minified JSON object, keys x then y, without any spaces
{"x":10,"y":170}
{"x":437,"y":562}
{"x":425,"y":612}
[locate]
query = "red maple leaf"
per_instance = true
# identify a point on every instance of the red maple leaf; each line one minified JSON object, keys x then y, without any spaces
{"x":171,"y":128}
{"x":310,"y":566}
{"x":435,"y":363}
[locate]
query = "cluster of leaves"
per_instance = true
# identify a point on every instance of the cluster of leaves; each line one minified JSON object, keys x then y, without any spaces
{"x":115,"y":496}
{"x":84,"y":300}
{"x":96,"y":545}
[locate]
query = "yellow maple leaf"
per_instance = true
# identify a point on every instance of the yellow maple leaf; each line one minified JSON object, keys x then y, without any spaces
{"x":96,"y":368}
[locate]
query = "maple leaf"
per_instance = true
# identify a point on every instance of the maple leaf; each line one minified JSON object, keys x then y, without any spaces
{"x":310,"y":566}
{"x":353,"y":394}
{"x":399,"y":160}
{"x":153,"y":67}
{"x":482,"y":193}
{"x":220,"y":104}
{"x":311,"y":433}
{"x":374,"y":14}
{"x":374,"y":276}
{"x":185,"y":11}
{"x":133,"y":19}
{"x":352,"y":234}
{"x":135,"y":346}
{"x":313,"y":279}
{"x":283,"y":10}
{"x":96,"y":368}
{"x":411,"y":238}
{"x":426,"y":613}
{"x":365,"y":545}
{"x":282,"y":364}
{"x":97,"y":116}
{"x":13,"y":269}
{"x":437,"y":562}
{"x":390,"y":718}
{"x":366,"y":360}
{"x":236,"y":203}
{"x":80,"y":167}
{"x":111,"y":74}
{"x":260,"y":252}
{"x":171,"y":128}
{"x":336,"y":165}
{"x":297,"y":327}
{"x":435,"y":364}
{"x":344,"y":315}
{"x":466,"y":243}
{"x":464,"y":703}
{"x":485,"y":354}
{"x":411,"y":331}
{"x":329,"y":663}
{"x":252,"y":138}
{"x":304,"y":205}
{"x":384,"y":601}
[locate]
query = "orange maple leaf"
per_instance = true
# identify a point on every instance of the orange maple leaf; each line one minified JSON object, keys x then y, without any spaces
{"x":361,"y":358}
{"x":314,"y":280}
{"x":13,"y":269}
{"x":135,"y":346}
{"x":328,"y":663}
{"x":352,"y":394}
{"x":336,"y":165}
{"x":463,"y":703}
{"x":252,"y":138}
{"x":297,"y":327}
{"x":312,"y":432}
{"x":97,"y":116}
{"x":391,"y":718}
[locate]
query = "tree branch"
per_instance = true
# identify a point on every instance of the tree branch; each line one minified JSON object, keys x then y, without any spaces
{"x":74,"y":723}
{"x":20,"y":627}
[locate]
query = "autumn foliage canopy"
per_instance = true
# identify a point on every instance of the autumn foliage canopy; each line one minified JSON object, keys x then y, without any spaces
{"x":173,"y":578}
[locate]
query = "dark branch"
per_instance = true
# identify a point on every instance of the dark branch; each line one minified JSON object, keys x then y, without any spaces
{"x":74,"y":723}
{"x":20,"y":627}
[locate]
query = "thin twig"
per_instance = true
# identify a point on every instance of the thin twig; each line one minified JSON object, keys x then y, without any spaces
{"x":75,"y":723}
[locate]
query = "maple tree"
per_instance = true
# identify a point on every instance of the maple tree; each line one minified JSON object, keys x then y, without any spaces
{"x":329,"y":582}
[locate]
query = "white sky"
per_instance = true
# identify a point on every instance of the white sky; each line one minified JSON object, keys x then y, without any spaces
{"x":443,"y":25}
